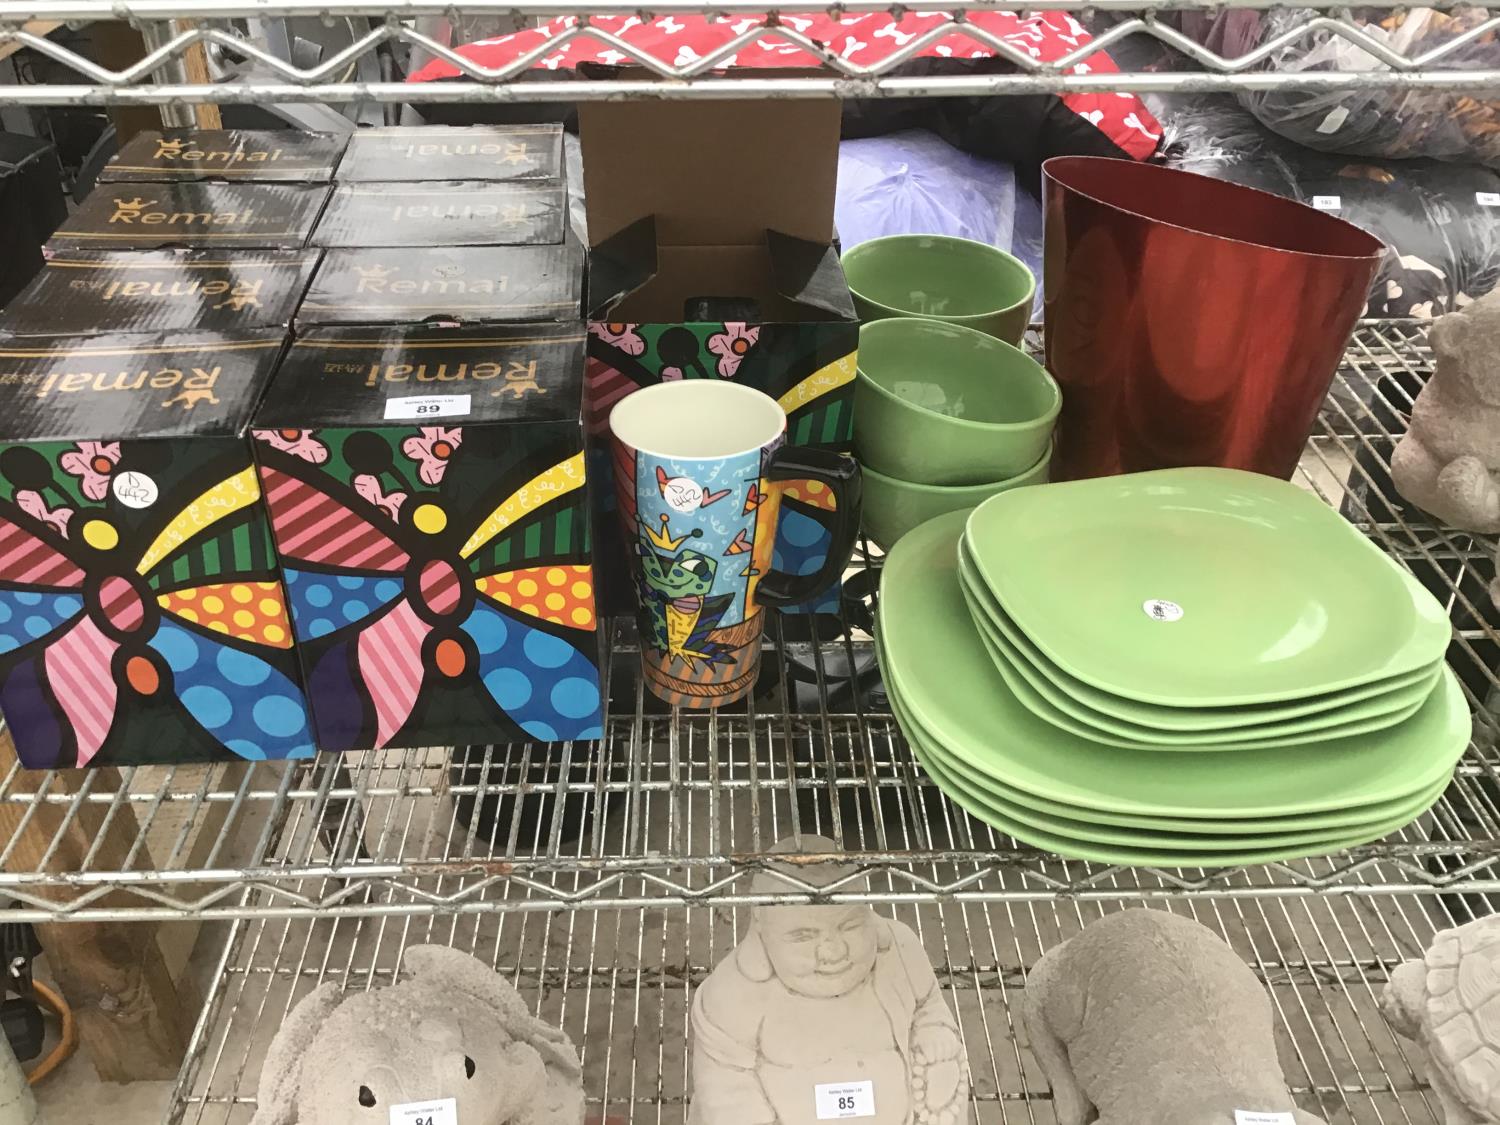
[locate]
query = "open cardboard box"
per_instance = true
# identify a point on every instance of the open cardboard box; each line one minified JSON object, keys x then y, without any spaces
{"x":721,"y":199}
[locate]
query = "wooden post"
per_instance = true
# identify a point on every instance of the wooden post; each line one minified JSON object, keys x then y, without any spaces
{"x":131,"y":1016}
{"x":195,"y":64}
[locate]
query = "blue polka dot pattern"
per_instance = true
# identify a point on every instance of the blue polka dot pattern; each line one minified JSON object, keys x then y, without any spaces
{"x":489,"y":632}
{"x":575,"y":697}
{"x":240,"y":698}
{"x":546,"y":651}
{"x":548,"y":688}
{"x":242,"y":668}
{"x":26,"y":615}
{"x":208,"y":705}
{"x":799,"y":529}
{"x":801,"y":546}
{"x":321,"y":603}
{"x":511,"y":687}
{"x":280,"y":716}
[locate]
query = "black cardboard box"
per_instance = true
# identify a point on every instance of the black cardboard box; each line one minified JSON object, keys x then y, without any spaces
{"x":441,"y":152}
{"x":155,"y":216}
{"x":428,"y":497}
{"x":142,"y":617}
{"x":31,"y":199}
{"x":463,"y":285}
{"x":443,"y":213}
{"x":235,"y":155}
{"x":83,"y":292}
{"x":751,"y":222}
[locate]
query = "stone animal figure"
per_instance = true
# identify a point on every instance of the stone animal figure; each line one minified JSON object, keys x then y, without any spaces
{"x":1448,"y":1002}
{"x":824,"y":996}
{"x":453,"y":1029}
{"x":1148,"y":1017}
{"x":1448,"y":463}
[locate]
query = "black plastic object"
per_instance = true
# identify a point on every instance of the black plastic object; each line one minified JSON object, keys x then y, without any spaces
{"x":21,"y":1020}
{"x":31,"y":199}
{"x":732,"y":310}
{"x":20,"y":1015}
{"x":840,"y":473}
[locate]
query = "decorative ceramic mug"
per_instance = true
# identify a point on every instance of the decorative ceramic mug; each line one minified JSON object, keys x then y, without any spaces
{"x":699,"y":468}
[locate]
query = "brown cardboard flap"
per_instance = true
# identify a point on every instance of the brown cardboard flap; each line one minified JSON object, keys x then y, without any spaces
{"x":712,"y":172}
{"x":711,"y":271}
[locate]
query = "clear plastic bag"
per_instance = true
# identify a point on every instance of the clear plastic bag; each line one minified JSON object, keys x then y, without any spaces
{"x":914,"y":182}
{"x":1389,"y":124}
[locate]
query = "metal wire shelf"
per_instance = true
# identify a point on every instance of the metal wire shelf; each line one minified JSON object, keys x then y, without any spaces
{"x":699,"y":799}
{"x":174,"y":27}
{"x":681,"y":810}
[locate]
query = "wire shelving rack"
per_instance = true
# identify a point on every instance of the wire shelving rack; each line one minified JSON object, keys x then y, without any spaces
{"x":327,"y":870}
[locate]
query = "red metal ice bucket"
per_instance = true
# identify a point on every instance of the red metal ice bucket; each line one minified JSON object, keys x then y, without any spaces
{"x":1191,"y":321}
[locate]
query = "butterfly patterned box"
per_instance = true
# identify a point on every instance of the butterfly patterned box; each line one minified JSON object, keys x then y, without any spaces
{"x":742,"y":230}
{"x":427,"y":496}
{"x":142,"y":618}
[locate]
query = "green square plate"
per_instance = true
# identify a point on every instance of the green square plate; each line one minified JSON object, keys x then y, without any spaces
{"x":1138,"y":721}
{"x":987,"y":809}
{"x":981,"y":790}
{"x":1202,"y":588}
{"x":943,"y":673}
{"x":1046,"y":699}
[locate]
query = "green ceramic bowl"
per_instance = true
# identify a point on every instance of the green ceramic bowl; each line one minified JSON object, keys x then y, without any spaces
{"x":938,"y":403}
{"x":941,"y":278}
{"x":892,"y":507}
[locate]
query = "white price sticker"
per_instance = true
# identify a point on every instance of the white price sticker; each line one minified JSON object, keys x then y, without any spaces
{"x":1327,"y":202}
{"x":443,"y":1112}
{"x":422,"y":407}
{"x":1487,"y":198}
{"x":838,"y":1100}
{"x":1159,"y":609}
{"x":1253,"y":1117}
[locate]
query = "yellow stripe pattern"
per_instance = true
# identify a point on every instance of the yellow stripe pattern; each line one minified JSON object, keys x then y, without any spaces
{"x":821,"y":382}
{"x":223,"y":499}
{"x":539,"y":491}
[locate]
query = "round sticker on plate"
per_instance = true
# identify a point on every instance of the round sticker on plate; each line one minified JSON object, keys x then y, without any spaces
{"x":1159,"y":609}
{"x":135,"y":490}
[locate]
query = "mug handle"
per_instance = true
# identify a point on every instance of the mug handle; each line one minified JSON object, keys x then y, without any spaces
{"x":840,"y":473}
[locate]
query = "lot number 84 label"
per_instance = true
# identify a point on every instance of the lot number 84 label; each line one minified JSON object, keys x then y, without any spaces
{"x":443,"y":1112}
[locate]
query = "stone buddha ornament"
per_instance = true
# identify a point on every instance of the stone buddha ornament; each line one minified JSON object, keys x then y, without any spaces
{"x":824,"y":1013}
{"x":1448,"y":463}
{"x":1148,"y":1017}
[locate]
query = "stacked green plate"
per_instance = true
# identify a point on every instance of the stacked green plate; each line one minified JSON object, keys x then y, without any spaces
{"x":1198,"y":607}
{"x":1060,"y":787}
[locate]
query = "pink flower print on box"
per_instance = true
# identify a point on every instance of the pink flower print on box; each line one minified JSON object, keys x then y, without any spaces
{"x":390,"y":503}
{"x":299,"y":443}
{"x":623,"y":336}
{"x":93,"y":462}
{"x":432,"y":450}
{"x":34,"y":506}
{"x":732,"y":346}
